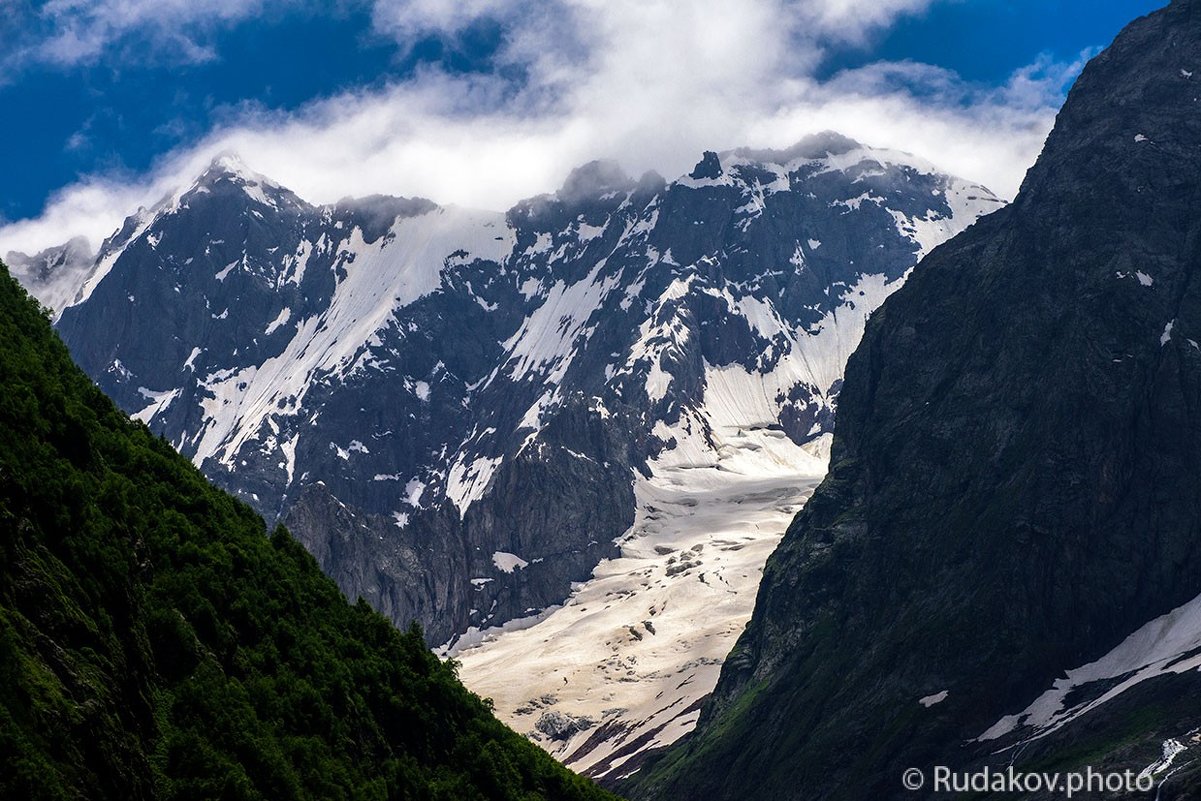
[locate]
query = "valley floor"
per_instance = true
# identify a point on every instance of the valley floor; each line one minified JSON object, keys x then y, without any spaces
{"x":624,"y":665}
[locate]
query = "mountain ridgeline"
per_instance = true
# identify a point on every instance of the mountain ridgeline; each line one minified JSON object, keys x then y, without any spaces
{"x":449,"y":407}
{"x":156,"y":643}
{"x":1003,"y":565}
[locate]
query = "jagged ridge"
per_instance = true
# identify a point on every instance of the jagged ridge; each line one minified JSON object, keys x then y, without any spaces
{"x":426,"y":394}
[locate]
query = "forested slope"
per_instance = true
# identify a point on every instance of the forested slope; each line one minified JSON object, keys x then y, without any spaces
{"x":155,"y":642}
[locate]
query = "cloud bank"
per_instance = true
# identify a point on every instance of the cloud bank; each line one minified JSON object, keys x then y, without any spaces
{"x":78,"y":32}
{"x":648,"y":83}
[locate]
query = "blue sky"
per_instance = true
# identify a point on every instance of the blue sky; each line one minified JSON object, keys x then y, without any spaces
{"x":986,"y":40}
{"x":484,"y":101}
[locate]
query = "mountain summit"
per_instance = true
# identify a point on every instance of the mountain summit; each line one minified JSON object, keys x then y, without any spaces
{"x":1003,"y":566}
{"x":426,"y":393}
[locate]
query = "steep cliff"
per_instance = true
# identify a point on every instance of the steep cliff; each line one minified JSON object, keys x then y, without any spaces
{"x":1002,"y":564}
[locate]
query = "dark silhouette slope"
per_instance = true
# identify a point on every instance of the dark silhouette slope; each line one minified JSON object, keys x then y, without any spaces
{"x":156,"y":643}
{"x":1014,"y":482}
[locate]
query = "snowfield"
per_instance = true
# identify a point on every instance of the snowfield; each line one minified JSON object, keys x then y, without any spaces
{"x":623,"y":666}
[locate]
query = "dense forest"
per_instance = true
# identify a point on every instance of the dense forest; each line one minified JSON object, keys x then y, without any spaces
{"x":157,"y":642}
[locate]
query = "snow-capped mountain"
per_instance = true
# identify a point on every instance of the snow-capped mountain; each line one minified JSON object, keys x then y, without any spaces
{"x":450,"y":407}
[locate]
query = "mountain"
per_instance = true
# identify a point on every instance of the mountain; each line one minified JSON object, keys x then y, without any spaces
{"x":450,"y":408}
{"x":54,"y":275}
{"x":155,"y":642}
{"x":1003,"y":565}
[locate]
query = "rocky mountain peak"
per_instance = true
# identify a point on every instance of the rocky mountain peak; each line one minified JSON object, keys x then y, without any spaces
{"x":229,"y":166}
{"x":815,"y":146}
{"x":708,"y":167}
{"x":594,"y":179}
{"x":229,"y":179}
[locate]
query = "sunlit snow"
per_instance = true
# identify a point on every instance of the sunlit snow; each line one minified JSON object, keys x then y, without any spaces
{"x":637,"y":648}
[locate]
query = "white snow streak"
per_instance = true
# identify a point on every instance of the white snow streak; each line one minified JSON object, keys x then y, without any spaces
{"x":380,"y":278}
{"x":158,"y":402}
{"x":1166,"y":645}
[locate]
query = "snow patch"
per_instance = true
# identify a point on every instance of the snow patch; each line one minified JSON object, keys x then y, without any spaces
{"x":586,"y":233}
{"x":225,"y":271}
{"x":507,"y":562}
{"x":412,"y":492}
{"x":288,"y":449}
{"x":158,"y":402}
{"x":1171,"y":750}
{"x":280,"y":319}
{"x":530,"y":288}
{"x":468,"y":481}
{"x":1166,"y":645}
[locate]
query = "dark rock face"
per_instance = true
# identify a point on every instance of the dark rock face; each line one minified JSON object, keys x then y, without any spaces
{"x":1013,"y":486}
{"x":448,"y":407}
{"x":558,"y":726}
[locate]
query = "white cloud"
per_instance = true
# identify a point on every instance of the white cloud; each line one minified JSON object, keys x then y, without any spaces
{"x":407,"y":19}
{"x":851,"y":19}
{"x":650,"y":83}
{"x":78,"y":32}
